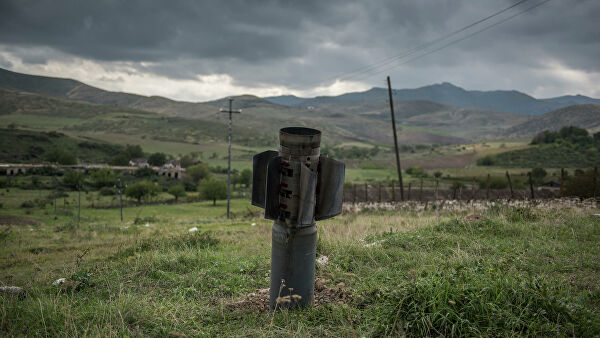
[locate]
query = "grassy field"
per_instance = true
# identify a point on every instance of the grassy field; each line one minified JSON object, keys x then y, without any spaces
{"x":520,"y":269}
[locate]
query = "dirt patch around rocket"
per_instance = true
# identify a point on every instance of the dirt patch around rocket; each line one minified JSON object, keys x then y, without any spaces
{"x":17,"y":220}
{"x":259,"y":300}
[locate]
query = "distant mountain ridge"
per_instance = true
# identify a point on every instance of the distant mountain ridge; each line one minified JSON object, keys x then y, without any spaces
{"x":584,"y":116}
{"x":508,"y":101}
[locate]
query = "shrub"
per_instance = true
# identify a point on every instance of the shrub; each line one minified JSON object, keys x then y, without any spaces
{"x":144,"y":172}
{"x":104,"y":178}
{"x":197,"y":172}
{"x":72,"y":179}
{"x":107,"y":191}
{"x":486,"y":161}
{"x":27,"y":204}
{"x":60,"y":156}
{"x":582,"y":185}
{"x":157,"y":159}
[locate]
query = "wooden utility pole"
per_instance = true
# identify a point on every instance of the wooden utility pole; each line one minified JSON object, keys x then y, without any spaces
{"x":78,"y":203}
{"x":230,"y":111}
{"x":399,"y":168}
{"x":121,"y":198}
{"x":512,"y":196}
{"x":531,"y":185}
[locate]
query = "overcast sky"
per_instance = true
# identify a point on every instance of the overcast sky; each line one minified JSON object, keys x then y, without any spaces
{"x":204,"y":50}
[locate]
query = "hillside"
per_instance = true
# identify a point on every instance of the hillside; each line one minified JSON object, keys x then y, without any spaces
{"x":31,"y":146}
{"x":75,"y":90}
{"x":584,"y":116}
{"x":510,"y":101}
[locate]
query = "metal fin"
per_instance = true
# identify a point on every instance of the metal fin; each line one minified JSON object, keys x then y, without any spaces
{"x":308,"y":186}
{"x":273,"y":185}
{"x":259,"y":176}
{"x":330,"y":188}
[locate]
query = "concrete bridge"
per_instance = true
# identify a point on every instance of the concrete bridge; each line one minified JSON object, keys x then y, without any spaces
{"x":12,"y":169}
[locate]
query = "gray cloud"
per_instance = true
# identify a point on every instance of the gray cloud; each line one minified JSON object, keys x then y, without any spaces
{"x":298,"y":44}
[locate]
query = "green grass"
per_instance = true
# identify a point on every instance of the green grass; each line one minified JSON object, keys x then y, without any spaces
{"x":521,"y":271}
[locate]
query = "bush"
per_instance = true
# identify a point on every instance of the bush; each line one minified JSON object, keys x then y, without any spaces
{"x":107,"y":191}
{"x":213,"y":189}
{"x":27,"y":204}
{"x":486,"y":161}
{"x":60,"y":156}
{"x":416,"y":171}
{"x":104,"y":178}
{"x":72,"y":179}
{"x":582,"y":185}
{"x":495,"y":183}
{"x":197,"y":172}
{"x":144,"y":172}
{"x":157,"y":159}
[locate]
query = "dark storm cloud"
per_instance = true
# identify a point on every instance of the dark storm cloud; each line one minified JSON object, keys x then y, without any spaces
{"x":297,"y":43}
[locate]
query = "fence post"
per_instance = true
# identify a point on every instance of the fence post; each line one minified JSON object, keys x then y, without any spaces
{"x":409,"y":186}
{"x":354,"y":194}
{"x":379,"y":192}
{"x":454,"y":187}
{"x":487,"y":194}
{"x":595,"y":181}
{"x":562,"y":182}
{"x":393,"y":192}
{"x":436,"y":189}
{"x":366,"y":192}
{"x":421,"y":190}
{"x":531,"y":185}
{"x":510,"y":185}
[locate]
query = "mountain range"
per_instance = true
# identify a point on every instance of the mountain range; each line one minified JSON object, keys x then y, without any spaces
{"x":508,"y":101}
{"x":440,"y":113}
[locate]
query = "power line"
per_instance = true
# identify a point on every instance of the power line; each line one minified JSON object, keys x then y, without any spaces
{"x":411,"y":51}
{"x":456,"y":41}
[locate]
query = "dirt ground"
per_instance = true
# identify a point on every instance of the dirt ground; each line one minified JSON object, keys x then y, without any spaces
{"x":259,"y":300}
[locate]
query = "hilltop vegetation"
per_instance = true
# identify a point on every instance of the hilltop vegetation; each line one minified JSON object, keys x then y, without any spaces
{"x":583,"y":116}
{"x":569,"y":147}
{"x":18,"y":145}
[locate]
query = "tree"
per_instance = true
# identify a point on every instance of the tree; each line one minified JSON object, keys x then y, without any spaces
{"x":121,"y":159}
{"x":142,"y":190}
{"x":538,"y":174}
{"x":198,"y":172}
{"x":213,"y":189}
{"x":72,"y":179}
{"x":144,"y":172}
{"x":177,"y":191}
{"x":60,"y":156}
{"x":186,"y":161}
{"x":437,"y":174}
{"x":245,"y":177}
{"x":134,"y":151}
{"x":157,"y":159}
{"x":104,"y":178}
